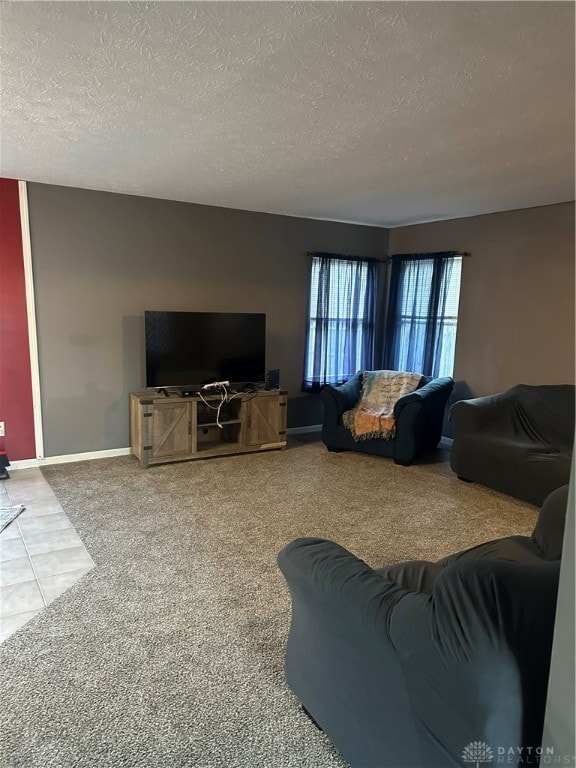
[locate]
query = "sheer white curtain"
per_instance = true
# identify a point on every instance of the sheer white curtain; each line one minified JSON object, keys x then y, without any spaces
{"x":340,"y":334}
{"x":423,"y":313}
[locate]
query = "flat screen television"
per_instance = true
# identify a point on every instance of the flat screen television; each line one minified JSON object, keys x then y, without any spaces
{"x":190,"y":349}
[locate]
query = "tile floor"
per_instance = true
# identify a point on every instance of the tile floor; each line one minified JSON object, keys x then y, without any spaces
{"x":41,"y":554}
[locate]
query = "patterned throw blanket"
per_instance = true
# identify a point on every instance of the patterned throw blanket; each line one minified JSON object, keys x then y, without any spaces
{"x":374,"y":414}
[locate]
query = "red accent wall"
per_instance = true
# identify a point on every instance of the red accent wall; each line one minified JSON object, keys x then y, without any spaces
{"x":16,"y":410}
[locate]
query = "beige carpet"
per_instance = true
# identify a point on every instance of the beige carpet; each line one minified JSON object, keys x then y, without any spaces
{"x":169,"y":653}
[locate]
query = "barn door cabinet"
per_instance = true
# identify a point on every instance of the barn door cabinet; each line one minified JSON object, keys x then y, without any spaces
{"x":166,"y":429}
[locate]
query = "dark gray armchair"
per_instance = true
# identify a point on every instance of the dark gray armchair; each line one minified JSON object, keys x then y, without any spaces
{"x":401,"y":674}
{"x":419,"y":419}
{"x":519,"y":442}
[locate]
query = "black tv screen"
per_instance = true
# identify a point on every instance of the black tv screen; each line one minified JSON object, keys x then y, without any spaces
{"x":190,"y":349}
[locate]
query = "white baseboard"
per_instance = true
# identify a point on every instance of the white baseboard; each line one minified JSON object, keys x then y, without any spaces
{"x":111,"y":453}
{"x":304,"y":430}
{"x":68,"y":458}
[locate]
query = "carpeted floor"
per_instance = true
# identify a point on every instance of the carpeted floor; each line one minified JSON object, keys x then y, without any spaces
{"x":169,"y":653}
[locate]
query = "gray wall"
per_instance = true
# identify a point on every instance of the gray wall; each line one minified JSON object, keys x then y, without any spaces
{"x":516,"y":317}
{"x":101,"y":259}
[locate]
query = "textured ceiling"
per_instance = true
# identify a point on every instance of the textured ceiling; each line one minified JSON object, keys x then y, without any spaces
{"x":375,"y":112}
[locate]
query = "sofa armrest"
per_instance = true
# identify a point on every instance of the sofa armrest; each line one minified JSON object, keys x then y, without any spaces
{"x":330,"y":573}
{"x":419,"y":419}
{"x":439,"y":389}
{"x":548,"y":534}
{"x":336,"y":400}
{"x":340,"y":661}
{"x":476,"y":413}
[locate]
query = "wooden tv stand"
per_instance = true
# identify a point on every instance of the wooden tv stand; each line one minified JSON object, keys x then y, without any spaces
{"x":172,"y":428}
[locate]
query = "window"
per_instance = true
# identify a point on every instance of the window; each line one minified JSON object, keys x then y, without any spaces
{"x":340,"y":336}
{"x":423,"y":313}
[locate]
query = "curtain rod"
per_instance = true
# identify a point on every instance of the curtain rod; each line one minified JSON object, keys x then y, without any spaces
{"x":322,"y":254}
{"x":433,"y":255}
{"x":343,"y":257}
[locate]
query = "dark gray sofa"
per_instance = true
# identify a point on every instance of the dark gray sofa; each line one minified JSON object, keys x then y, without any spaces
{"x":519,"y":442}
{"x":419,"y":418}
{"x":398,"y":677}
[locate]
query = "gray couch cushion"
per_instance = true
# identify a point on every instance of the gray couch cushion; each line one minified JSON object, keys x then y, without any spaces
{"x":413,"y":575}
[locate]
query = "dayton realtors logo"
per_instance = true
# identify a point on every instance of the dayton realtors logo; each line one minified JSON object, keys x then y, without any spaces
{"x":478,"y":753}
